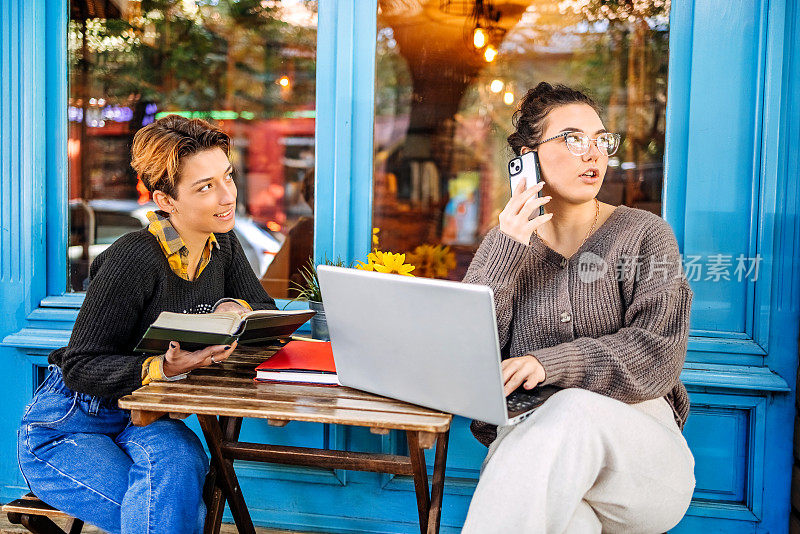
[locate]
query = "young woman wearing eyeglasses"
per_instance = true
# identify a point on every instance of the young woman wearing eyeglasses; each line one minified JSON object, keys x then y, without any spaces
{"x":590,"y":298}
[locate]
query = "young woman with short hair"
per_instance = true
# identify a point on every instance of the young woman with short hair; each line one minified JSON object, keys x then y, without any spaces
{"x":77,"y":450}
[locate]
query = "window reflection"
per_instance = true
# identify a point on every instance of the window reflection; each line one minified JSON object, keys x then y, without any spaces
{"x":247,"y":65}
{"x":449,"y":74}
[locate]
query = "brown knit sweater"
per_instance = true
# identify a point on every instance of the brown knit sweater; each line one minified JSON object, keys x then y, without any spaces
{"x":621,"y":333}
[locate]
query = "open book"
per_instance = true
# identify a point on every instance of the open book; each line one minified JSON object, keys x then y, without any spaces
{"x":195,"y":331}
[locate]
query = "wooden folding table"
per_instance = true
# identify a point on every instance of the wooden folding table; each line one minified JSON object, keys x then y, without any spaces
{"x":222,"y":395}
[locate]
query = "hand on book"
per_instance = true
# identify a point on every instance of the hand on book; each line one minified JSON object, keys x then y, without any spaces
{"x":231,"y":307}
{"x":177,"y":361}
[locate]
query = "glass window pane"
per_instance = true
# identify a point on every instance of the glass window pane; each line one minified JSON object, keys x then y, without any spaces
{"x":449,"y":74}
{"x":248,"y":66}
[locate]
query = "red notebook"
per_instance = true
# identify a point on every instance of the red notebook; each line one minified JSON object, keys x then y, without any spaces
{"x":308,"y":362}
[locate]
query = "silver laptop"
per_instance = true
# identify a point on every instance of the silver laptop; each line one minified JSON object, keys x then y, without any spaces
{"x":428,"y":342}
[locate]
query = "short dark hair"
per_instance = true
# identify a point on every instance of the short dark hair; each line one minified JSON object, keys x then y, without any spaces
{"x":159,"y":147}
{"x":531,"y":114}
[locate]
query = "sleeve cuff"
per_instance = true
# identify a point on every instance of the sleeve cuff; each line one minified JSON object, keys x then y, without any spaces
{"x":146,"y":379}
{"x":505,"y":258}
{"x":562,"y":365}
{"x":244,"y":303}
{"x":240,"y":302}
{"x":153,"y":371}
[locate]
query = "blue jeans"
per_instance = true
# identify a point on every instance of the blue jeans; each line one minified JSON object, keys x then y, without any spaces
{"x":83,"y":455}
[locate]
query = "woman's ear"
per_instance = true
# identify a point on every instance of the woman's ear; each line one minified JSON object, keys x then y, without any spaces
{"x":524,"y":150}
{"x":163,"y":201}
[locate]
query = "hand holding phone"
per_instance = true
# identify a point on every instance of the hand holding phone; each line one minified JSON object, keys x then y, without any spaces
{"x":515,"y":219}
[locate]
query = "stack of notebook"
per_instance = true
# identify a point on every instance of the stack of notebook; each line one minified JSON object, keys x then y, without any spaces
{"x":309,"y":362}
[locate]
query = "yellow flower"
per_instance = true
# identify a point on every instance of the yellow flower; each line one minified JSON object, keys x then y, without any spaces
{"x":375,"y":232}
{"x":386,"y":262}
{"x":433,"y":261}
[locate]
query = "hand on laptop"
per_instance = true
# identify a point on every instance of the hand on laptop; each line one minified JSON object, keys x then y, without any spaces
{"x":523,"y":370}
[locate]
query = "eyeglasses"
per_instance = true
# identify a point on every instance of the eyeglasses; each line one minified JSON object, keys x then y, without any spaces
{"x":580,"y":143}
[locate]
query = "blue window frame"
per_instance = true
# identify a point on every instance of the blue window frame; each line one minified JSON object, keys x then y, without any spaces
{"x":345,"y":76}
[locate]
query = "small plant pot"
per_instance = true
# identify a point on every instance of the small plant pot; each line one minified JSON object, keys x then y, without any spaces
{"x":319,"y":324}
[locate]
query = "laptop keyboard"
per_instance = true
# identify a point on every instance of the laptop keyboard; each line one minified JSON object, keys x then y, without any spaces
{"x":521,"y":400}
{"x":518,"y":402}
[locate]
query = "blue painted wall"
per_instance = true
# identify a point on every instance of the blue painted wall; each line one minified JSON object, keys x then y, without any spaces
{"x":730,"y":189}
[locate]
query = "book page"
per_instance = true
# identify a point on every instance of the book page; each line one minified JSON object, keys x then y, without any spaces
{"x":221,"y":323}
{"x":272,"y":313}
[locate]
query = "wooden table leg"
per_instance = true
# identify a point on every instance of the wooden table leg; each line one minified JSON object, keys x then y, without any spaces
{"x":226,"y":476}
{"x":437,"y":490}
{"x":213,"y":494}
{"x":420,"y":479}
{"x":215,"y":501}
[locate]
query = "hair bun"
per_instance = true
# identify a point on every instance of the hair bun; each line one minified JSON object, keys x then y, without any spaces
{"x":534,"y":107}
{"x":542,"y":88}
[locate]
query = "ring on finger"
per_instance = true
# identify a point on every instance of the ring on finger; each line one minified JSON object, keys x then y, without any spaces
{"x":213,"y":360}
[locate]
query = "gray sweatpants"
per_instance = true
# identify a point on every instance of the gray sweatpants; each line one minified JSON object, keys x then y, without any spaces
{"x":585,"y":463}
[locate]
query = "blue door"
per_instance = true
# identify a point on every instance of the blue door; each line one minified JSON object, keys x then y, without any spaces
{"x":730,"y":193}
{"x":731,"y":196}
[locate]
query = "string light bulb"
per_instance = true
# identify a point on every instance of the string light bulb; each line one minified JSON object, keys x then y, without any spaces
{"x":479,"y":37}
{"x":508,"y":98}
{"x":283,"y":81}
{"x":496,"y":86}
{"x":489,"y":54}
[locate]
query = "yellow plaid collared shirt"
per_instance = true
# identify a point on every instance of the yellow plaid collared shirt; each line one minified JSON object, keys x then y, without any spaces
{"x":178,"y":257}
{"x":173,"y":246}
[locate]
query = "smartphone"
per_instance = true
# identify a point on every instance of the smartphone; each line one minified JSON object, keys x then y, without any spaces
{"x":525,"y":166}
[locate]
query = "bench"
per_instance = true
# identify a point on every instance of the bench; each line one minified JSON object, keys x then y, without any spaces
{"x":38,"y":516}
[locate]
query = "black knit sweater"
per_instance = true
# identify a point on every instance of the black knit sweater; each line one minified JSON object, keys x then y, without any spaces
{"x":131,"y":283}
